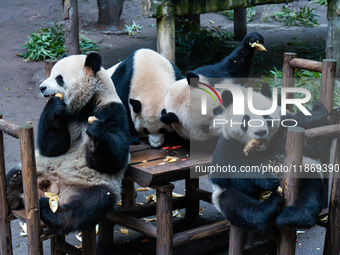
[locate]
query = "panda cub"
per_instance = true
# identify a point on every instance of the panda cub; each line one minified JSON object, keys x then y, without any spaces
{"x":237,"y":197}
{"x":81,"y":161}
{"x":181,"y":102}
{"x":142,"y":81}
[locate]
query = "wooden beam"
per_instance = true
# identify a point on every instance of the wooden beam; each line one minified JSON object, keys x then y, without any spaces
{"x":288,"y":75}
{"x":89,"y":241}
{"x":9,"y":128}
{"x":294,"y":151}
{"x":70,"y":16}
{"x":5,"y":227}
{"x":327,"y":83}
{"x":240,"y":23}
{"x":311,"y":65}
{"x":198,"y":233}
{"x":321,"y":133}
{"x":236,"y":240}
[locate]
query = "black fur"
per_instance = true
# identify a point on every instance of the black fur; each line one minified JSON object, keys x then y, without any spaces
{"x":53,"y":135}
{"x":94,"y":61}
{"x":136,"y":105}
{"x":169,"y":117}
{"x":109,"y":140}
{"x":235,"y":65}
{"x":84,"y":211}
{"x":14,"y":189}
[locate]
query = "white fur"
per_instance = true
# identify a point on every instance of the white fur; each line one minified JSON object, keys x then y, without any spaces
{"x":215,"y":198}
{"x":152,"y":77}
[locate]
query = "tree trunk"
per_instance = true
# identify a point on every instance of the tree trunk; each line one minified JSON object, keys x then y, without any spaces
{"x":109,"y":12}
{"x":333,"y":35}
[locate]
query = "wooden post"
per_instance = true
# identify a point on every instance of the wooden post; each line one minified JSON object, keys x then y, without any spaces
{"x":105,"y":234}
{"x":326,"y":98}
{"x":89,"y":241}
{"x":164,"y":242}
{"x":333,"y":32}
{"x":29,"y":175}
{"x":70,"y":15}
{"x":54,"y":241}
{"x":128,"y":194}
{"x":49,"y":63}
{"x":288,"y":74}
{"x":332,"y":244}
{"x":294,"y":150}
{"x":327,"y":83}
{"x":5,"y":227}
{"x":236,"y":240}
{"x":166,"y":33}
{"x":240,"y":23}
{"x":193,"y":204}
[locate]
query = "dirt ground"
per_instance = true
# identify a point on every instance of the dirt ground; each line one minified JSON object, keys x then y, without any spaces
{"x":22,"y":104}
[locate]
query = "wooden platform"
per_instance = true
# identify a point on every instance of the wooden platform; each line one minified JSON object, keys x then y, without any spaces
{"x":149,"y":168}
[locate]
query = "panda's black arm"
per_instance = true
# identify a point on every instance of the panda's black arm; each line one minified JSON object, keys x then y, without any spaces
{"x":108,"y":150}
{"x":53,"y":135}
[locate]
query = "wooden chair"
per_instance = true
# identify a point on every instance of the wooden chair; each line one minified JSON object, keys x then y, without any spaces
{"x":295,"y":143}
{"x":31,"y":215}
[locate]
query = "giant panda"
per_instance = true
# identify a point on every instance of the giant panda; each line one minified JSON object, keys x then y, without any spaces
{"x":81,"y":161}
{"x":142,"y":81}
{"x":237,"y":194}
{"x":182,"y":102}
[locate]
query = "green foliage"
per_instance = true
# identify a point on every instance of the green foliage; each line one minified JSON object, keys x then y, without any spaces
{"x":304,"y":79}
{"x":320,"y":2}
{"x":251,"y":12}
{"x":196,"y":46}
{"x":133,"y":29}
{"x":48,"y":42}
{"x":305,"y":17}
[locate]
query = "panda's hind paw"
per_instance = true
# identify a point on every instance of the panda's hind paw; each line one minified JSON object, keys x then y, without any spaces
{"x":292,"y":217}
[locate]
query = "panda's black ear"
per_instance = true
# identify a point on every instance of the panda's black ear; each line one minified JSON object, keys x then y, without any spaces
{"x":265,"y":90}
{"x":94,"y":61}
{"x":227,"y":98}
{"x":65,"y":55}
{"x":169,"y":118}
{"x":192,"y":78}
{"x":136,"y":105}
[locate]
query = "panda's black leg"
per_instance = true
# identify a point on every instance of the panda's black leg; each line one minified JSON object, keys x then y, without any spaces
{"x":82,"y":211}
{"x":303,"y":213}
{"x":14,"y":189}
{"x":246,"y":212}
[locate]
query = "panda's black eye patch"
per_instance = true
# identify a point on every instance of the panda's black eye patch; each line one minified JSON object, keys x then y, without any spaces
{"x":145,"y":131}
{"x":163,"y":131}
{"x":60,"y":80}
{"x":267,"y":117}
{"x":244,"y":125}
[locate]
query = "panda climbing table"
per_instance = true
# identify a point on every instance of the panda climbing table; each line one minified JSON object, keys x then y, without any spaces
{"x":148,"y":169}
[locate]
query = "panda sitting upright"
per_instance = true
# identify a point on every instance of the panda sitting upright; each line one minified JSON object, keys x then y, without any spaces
{"x":80,"y":161}
{"x":236,"y":194}
{"x":181,"y":109}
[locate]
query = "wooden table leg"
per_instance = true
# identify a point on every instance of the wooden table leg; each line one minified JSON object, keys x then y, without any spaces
{"x":236,"y":240}
{"x":105,"y":234}
{"x":89,"y":241}
{"x":164,"y":242}
{"x":193,"y":203}
{"x":128,"y":194}
{"x":54,"y":241}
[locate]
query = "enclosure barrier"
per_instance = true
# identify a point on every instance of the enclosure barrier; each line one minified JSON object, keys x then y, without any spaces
{"x":31,"y":214}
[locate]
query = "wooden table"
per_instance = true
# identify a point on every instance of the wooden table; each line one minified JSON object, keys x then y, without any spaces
{"x":148,"y":169}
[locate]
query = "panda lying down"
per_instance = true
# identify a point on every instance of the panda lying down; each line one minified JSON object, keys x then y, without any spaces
{"x":237,"y":197}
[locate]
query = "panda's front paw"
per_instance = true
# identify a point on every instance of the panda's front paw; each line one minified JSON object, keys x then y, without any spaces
{"x":253,"y":38}
{"x":333,"y":117}
{"x":55,"y":108}
{"x":96,"y":130}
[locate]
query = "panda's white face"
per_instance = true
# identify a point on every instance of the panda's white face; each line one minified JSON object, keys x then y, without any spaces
{"x":150,"y":125}
{"x":251,"y":126}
